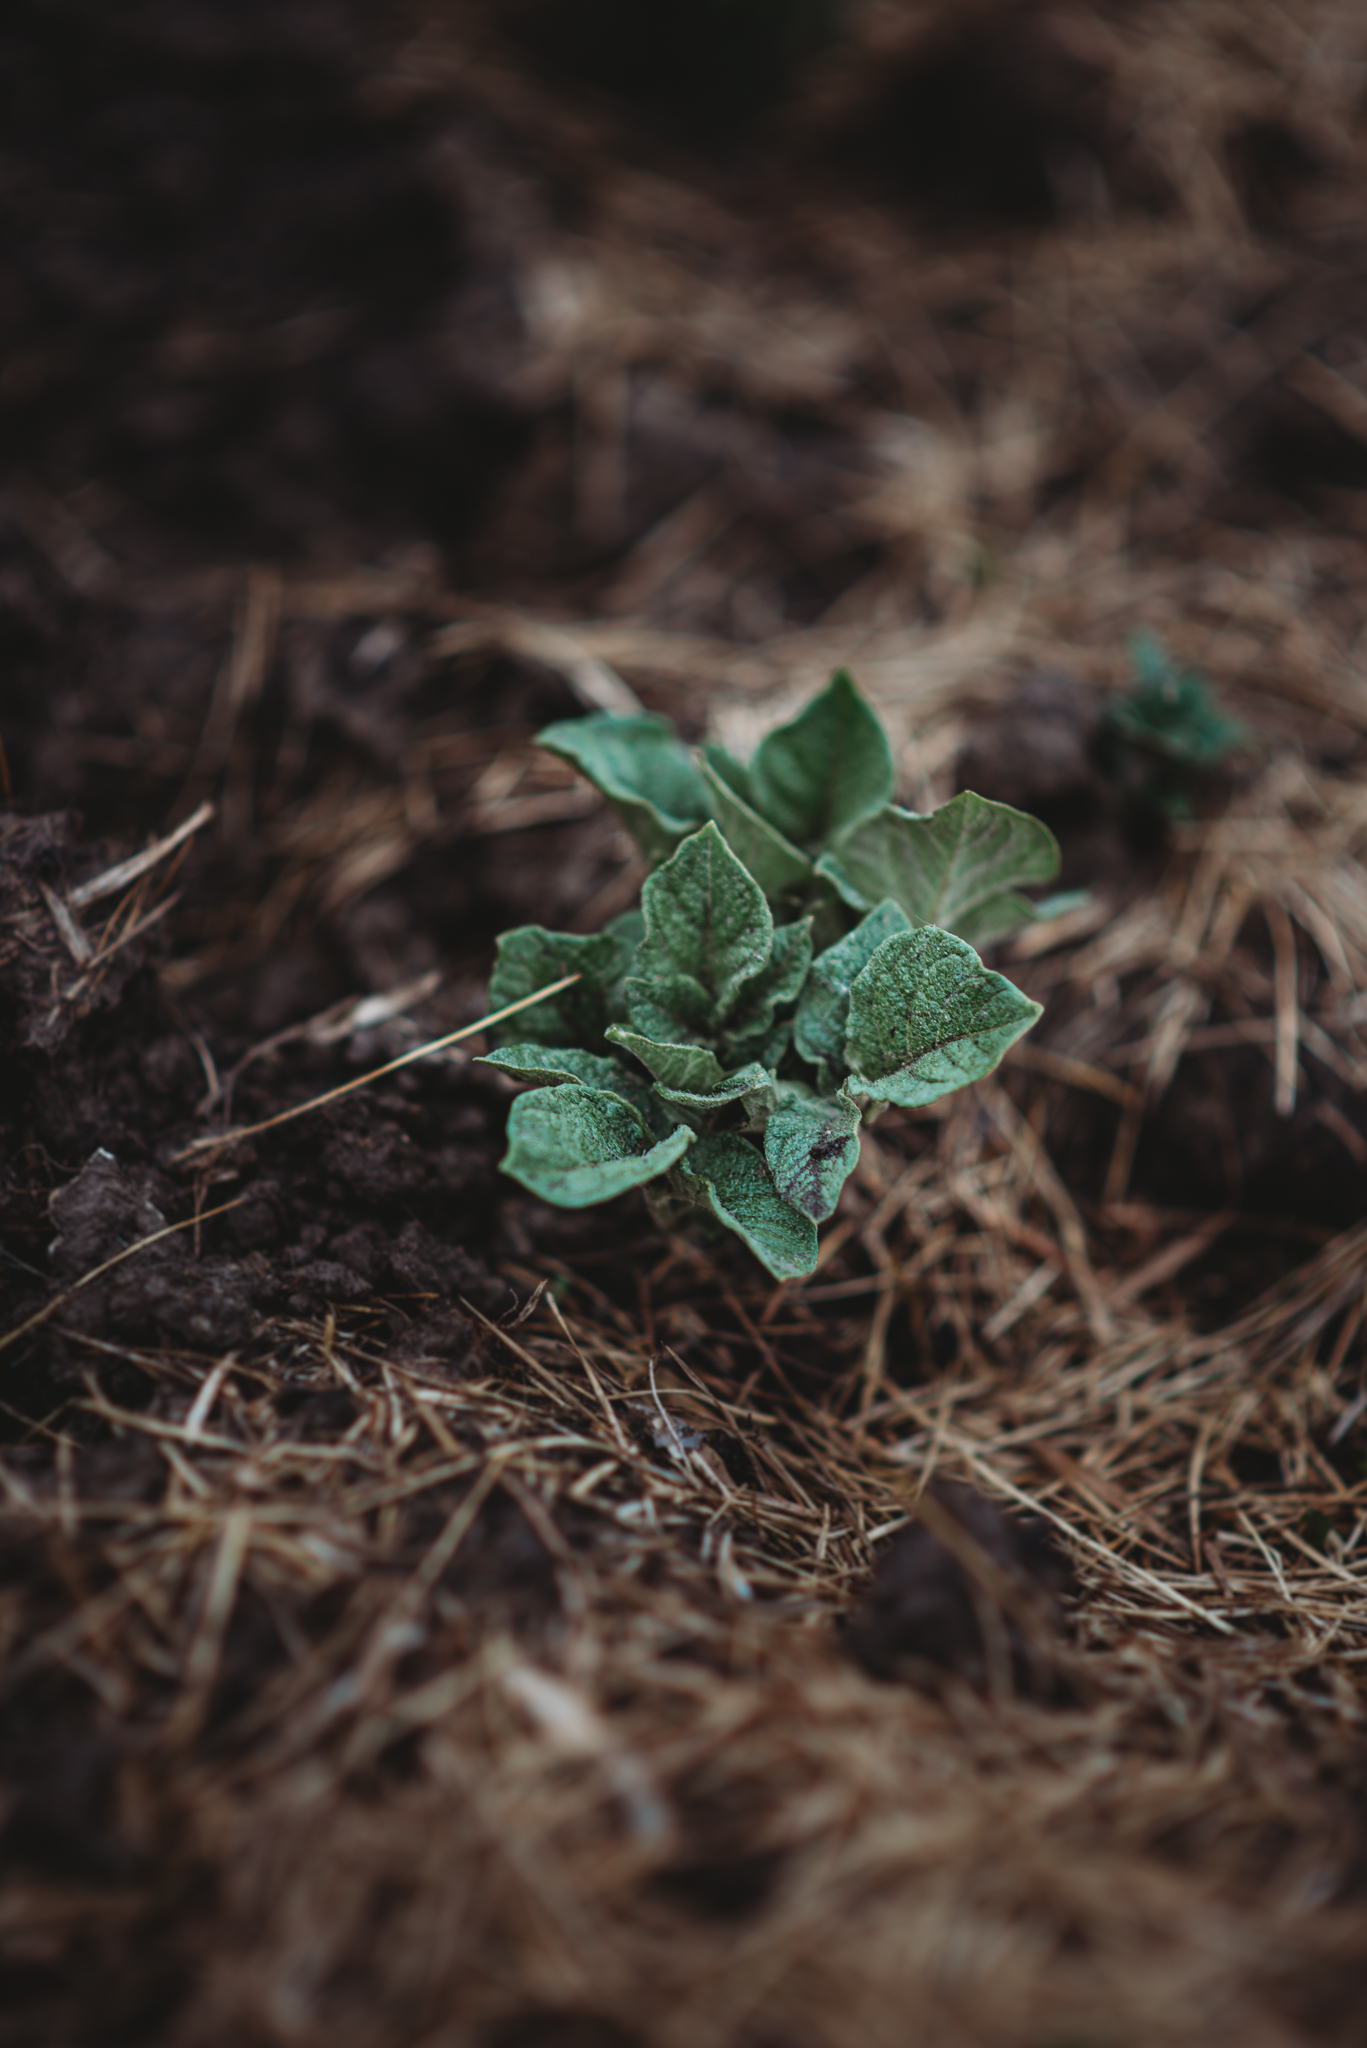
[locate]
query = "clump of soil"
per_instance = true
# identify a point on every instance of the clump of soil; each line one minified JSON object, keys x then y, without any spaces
{"x":928,"y":1612}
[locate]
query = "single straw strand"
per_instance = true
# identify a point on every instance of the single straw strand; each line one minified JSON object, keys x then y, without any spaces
{"x":417,"y":1052}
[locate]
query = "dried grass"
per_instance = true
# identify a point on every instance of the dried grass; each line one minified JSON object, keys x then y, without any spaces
{"x":461,"y":1800}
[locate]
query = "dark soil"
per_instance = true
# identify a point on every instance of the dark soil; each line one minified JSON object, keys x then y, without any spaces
{"x":925,"y":1614}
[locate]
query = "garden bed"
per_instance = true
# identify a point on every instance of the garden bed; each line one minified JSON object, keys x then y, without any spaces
{"x":430,"y":1616}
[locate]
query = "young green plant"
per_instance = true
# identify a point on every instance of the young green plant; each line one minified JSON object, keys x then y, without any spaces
{"x":1165,"y":738}
{"x":803,"y":955}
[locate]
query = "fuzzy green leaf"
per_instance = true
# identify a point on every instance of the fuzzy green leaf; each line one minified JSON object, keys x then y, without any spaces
{"x":674,"y":1066}
{"x":749,"y":1026}
{"x":554,"y":1066}
{"x":530,"y":957}
{"x":706,"y":921}
{"x":549,"y":1066}
{"x":770,"y":1050}
{"x":732,"y":772}
{"x":958,"y":867}
{"x":670,"y":1009}
{"x":777,"y":865}
{"x":927,"y":1017}
{"x":819,"y":777}
{"x":811,"y":1143}
{"x":727,"y":1175}
{"x":627,"y":932}
{"x":643,"y":770}
{"x":575,"y":1146}
{"x":753,"y":1087}
{"x":823,"y":1013}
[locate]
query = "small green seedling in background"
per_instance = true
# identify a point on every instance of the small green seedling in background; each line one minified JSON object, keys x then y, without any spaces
{"x":803,"y":955}
{"x":1163,"y":738}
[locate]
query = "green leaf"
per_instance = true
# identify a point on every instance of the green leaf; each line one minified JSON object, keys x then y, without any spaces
{"x":1061,"y":905}
{"x":778,"y":866}
{"x":732,"y":772}
{"x":530,"y":957}
{"x":690,"y":1067}
{"x":643,"y":770}
{"x":706,"y":921}
{"x":770,"y":1050}
{"x":830,"y":912}
{"x":548,"y":1066}
{"x":627,"y":932}
{"x":957,"y":868}
{"x":554,"y":1066}
{"x":727,"y":1175}
{"x":811,"y":1143}
{"x":753,"y":1087}
{"x":821,"y":776}
{"x":750,"y":1030}
{"x":823,"y":1013}
{"x":927,"y":1017}
{"x":575,"y":1146}
{"x":671,"y":1009}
